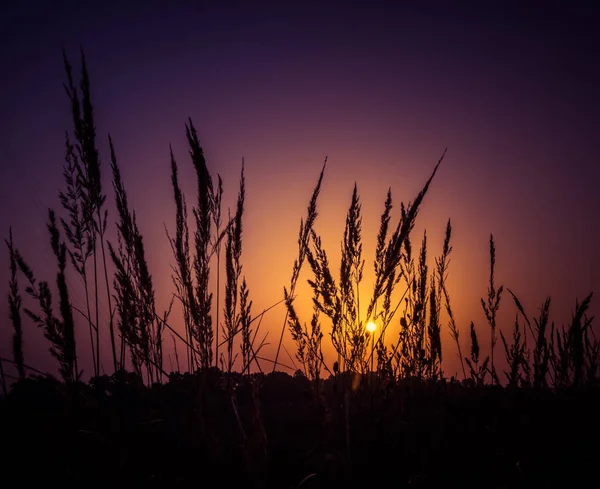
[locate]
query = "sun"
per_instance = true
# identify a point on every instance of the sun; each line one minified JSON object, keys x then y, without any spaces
{"x":371,"y":326}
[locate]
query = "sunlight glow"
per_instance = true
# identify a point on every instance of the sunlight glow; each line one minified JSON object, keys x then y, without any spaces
{"x":371,"y":326}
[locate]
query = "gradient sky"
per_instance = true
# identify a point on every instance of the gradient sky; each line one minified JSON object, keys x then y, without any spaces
{"x":510,"y":90}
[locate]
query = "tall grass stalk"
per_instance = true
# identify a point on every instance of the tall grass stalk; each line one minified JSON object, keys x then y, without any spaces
{"x":233,"y":270}
{"x":182,"y":274}
{"x":442,"y":265}
{"x":477,"y":371}
{"x":134,"y":288}
{"x":304,"y":235}
{"x":15,"y":302}
{"x":490,"y":308}
{"x":515,"y":356}
{"x":308,"y":341}
{"x":77,"y":232}
{"x":60,"y":332}
{"x":218,"y":222}
{"x":93,"y":198}
{"x":245,"y":322}
{"x":571,"y":362}
{"x":203,"y":213}
{"x":67,"y":323}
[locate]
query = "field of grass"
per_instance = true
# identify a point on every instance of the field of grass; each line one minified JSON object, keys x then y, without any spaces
{"x":523,"y":412}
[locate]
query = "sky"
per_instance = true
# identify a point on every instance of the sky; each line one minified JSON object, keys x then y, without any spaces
{"x":509,"y":88}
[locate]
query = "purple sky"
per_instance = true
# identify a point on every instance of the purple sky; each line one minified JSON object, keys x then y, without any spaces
{"x":512,"y":92}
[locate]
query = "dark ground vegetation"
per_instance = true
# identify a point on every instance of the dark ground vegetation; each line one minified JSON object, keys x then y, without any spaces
{"x":188,"y":432}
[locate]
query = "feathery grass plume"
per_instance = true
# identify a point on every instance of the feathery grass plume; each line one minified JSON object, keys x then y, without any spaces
{"x":218,"y":222}
{"x":326,"y":298}
{"x":87,"y":206}
{"x":402,"y":351}
{"x":304,"y":234}
{"x":124,"y":260}
{"x":379,"y":262}
{"x":476,"y":371}
{"x":578,"y":330}
{"x":403,"y":356}
{"x":296,"y":330}
{"x":152,"y":344}
{"x":592,"y":354}
{"x":384,"y":358}
{"x":399,"y":239}
{"x":526,"y":351}
{"x":493,"y":304}
{"x":233,"y":269}
{"x":434,"y":332}
{"x":231,"y":277}
{"x":516,"y":357}
{"x":314,"y":338}
{"x":125,"y":297}
{"x":308,"y":341}
{"x":124,"y":278}
{"x":442,"y":265}
{"x":15,"y":302}
{"x":203,"y":212}
{"x":182,"y":274}
{"x":67,"y":324}
{"x":386,"y":314}
{"x":93,"y":182}
{"x":348,"y":334}
{"x":560,"y":359}
{"x":419,"y":310}
{"x":246,"y":331}
{"x":77,"y":232}
{"x":551,"y":355}
{"x":522,"y":312}
{"x":418,"y":351}
{"x":133,"y":286}
{"x":73,"y":97}
{"x":412,"y":357}
{"x":59,"y":332}
{"x":474,"y":345}
{"x":351,"y":273}
{"x":92,"y":196}
{"x":541,"y":351}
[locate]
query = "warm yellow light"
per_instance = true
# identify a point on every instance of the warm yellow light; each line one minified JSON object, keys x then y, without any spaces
{"x":371,"y":326}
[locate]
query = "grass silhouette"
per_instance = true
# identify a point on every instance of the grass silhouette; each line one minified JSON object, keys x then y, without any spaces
{"x":386,"y":413}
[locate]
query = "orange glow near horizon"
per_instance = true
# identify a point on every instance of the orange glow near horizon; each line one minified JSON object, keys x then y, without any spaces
{"x":267,"y":263}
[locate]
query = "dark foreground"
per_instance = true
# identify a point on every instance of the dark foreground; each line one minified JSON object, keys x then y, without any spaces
{"x":275,"y":431}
